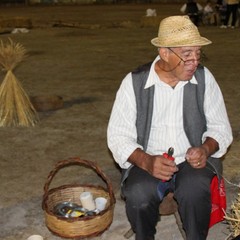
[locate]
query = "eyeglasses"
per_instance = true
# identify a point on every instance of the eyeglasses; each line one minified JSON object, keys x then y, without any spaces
{"x":186,"y":62}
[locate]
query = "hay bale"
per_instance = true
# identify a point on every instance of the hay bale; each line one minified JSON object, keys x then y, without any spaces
{"x":16,"y":22}
{"x":47,"y":102}
{"x":5,"y":31}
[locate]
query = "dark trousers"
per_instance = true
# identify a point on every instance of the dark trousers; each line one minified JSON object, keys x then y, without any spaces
{"x":231,"y":9}
{"x":192,"y":192}
{"x":194,"y":18}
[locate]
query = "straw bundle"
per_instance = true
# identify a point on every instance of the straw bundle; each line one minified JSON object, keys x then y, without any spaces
{"x":234,"y":217}
{"x":15,"y":106}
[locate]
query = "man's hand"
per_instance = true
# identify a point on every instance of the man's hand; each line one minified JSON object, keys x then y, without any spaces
{"x":161,"y":167}
{"x":158,"y":166}
{"x":197,"y":157}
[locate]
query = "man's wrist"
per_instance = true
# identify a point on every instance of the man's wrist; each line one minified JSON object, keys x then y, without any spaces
{"x":139,"y":158}
{"x":210,"y":146}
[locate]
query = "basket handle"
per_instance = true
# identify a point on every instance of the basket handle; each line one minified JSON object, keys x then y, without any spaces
{"x":78,"y":161}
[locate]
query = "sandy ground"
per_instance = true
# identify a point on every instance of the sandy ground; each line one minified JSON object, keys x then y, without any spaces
{"x":85,"y":65}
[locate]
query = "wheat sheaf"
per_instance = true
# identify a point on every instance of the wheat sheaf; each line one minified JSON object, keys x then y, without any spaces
{"x":16,"y":108}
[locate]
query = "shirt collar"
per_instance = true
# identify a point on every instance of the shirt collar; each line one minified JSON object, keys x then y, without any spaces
{"x":152,"y":79}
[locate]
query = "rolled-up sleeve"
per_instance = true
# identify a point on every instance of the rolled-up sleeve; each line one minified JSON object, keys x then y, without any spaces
{"x":218,"y":126}
{"x":121,"y":132}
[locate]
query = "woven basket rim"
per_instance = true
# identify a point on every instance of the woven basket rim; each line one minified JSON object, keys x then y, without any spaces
{"x":45,"y":207}
{"x":52,"y":190}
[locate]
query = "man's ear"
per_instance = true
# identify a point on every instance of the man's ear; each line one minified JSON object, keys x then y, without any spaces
{"x":164,"y":54}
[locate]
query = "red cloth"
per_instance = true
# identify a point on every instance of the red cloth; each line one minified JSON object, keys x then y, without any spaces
{"x":218,"y":199}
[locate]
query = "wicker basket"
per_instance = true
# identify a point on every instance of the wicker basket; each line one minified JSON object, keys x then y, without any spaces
{"x":87,"y":226}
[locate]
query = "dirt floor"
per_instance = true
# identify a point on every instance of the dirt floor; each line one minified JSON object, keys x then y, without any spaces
{"x":84,"y":64}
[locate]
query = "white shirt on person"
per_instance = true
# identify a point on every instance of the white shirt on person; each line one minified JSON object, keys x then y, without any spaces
{"x":208,"y":9}
{"x":167,"y":120}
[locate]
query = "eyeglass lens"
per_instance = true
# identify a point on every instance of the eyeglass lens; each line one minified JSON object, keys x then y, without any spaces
{"x":187,"y":61}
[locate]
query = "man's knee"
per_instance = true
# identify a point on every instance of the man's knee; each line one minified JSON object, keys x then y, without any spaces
{"x":193,"y":185}
{"x":139,"y":193}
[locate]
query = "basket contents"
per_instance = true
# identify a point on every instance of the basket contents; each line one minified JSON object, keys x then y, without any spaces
{"x":87,"y":201}
{"x":101,"y":203}
{"x":89,"y":207}
{"x":72,"y":210}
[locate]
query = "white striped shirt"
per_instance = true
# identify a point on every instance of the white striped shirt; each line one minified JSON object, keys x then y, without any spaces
{"x":167,"y":120}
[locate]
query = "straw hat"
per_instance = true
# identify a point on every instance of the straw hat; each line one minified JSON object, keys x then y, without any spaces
{"x":178,"y":31}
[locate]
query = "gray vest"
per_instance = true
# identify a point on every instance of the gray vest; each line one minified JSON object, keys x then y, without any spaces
{"x":193,"y":112}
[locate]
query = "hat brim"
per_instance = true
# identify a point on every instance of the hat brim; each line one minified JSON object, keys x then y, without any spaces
{"x":186,"y":43}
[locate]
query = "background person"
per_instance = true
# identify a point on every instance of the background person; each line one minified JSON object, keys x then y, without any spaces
{"x":221,"y":9}
{"x":232,"y":8}
{"x":162,"y":105}
{"x":210,"y":17}
{"x":193,"y":10}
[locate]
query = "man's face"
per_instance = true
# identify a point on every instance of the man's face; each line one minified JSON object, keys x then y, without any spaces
{"x":186,"y":59}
